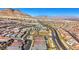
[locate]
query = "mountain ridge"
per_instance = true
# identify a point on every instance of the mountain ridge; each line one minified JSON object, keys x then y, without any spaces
{"x":12,"y":12}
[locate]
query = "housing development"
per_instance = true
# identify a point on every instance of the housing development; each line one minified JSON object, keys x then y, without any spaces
{"x":19,"y":31}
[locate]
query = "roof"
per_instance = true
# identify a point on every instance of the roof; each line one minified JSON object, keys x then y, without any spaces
{"x":4,"y":38}
{"x":17,"y":43}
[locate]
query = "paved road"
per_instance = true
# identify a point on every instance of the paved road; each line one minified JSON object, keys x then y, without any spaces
{"x":58,"y":41}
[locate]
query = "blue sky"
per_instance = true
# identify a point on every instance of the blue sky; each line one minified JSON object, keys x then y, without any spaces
{"x":50,"y":11}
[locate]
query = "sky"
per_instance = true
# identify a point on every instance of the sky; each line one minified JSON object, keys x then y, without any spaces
{"x":49,"y":11}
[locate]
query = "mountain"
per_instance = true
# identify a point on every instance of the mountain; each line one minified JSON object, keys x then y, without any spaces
{"x":12,"y":12}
